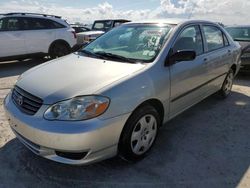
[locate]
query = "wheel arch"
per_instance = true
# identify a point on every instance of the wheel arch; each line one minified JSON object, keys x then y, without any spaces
{"x":234,"y":68}
{"x":157,"y":104}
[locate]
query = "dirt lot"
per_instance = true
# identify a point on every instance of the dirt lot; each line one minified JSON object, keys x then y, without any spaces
{"x":207,"y":146}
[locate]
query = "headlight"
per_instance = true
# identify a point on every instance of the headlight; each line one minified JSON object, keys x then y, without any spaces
{"x":78,"y":108}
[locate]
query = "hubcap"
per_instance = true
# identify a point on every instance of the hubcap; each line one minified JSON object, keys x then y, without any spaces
{"x":228,"y":83}
{"x":144,"y":134}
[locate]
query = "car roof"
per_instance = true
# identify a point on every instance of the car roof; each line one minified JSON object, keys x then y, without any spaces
{"x":31,"y":15}
{"x":36,"y":15}
{"x":171,"y":21}
{"x":112,"y":20}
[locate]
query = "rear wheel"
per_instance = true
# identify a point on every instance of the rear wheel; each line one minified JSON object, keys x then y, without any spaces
{"x":59,"y":49}
{"x":139,"y":133}
{"x":227,"y":84}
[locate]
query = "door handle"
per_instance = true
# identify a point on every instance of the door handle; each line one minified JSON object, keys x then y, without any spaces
{"x":206,"y":62}
{"x":229,"y":52}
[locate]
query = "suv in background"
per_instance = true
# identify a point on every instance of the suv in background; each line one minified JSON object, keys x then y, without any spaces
{"x":25,"y":35}
{"x":98,"y":28}
{"x":241,"y":34}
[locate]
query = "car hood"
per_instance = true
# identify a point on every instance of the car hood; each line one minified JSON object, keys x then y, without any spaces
{"x":73,"y":75}
{"x":91,"y":33}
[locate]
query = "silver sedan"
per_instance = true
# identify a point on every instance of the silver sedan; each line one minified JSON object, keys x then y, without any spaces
{"x":112,"y":96}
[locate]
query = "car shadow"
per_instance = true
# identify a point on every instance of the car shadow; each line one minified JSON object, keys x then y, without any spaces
{"x":206,"y":146}
{"x":14,"y":68}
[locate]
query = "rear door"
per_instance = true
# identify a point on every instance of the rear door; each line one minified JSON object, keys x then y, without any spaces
{"x":39,"y":34}
{"x":188,"y":77}
{"x":12,"y":37}
{"x":219,"y":55}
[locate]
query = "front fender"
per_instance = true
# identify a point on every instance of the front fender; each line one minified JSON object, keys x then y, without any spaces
{"x":127,"y":95}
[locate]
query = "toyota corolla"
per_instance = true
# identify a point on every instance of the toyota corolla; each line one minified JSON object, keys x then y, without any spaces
{"x":111,"y":97}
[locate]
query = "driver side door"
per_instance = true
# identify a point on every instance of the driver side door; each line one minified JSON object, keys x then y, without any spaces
{"x":187,"y":77}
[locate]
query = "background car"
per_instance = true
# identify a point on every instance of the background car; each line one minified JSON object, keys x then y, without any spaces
{"x":25,"y":35}
{"x":79,"y":28}
{"x":99,"y":27}
{"x":241,"y":34}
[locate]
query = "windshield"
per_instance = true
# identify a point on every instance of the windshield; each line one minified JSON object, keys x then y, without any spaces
{"x":134,"y":42}
{"x":102,"y":25}
{"x":239,"y":33}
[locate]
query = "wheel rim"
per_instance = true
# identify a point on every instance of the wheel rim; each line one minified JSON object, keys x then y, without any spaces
{"x":144,"y":134}
{"x":228,"y":83}
{"x":60,"y":51}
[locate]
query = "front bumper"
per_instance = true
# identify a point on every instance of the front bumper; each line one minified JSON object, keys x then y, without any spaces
{"x":95,"y":139}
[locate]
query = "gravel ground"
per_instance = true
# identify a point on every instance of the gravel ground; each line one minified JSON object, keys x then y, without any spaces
{"x":206,"y":146}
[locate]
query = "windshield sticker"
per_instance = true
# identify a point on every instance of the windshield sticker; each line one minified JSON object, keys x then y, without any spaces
{"x":151,"y":53}
{"x":145,"y":52}
{"x":148,"y":53}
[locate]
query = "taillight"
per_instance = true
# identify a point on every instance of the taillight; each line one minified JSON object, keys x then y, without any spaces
{"x":74,"y":33}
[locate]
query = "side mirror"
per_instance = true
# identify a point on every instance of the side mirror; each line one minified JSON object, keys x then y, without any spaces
{"x":182,"y":55}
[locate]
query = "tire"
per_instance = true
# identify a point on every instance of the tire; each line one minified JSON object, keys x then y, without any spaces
{"x":139,"y":134}
{"x":59,"y":49}
{"x":227,"y":85}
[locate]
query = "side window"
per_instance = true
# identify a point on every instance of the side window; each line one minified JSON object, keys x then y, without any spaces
{"x":1,"y":24}
{"x":55,"y":25}
{"x":38,"y":23}
{"x":25,"y":23}
{"x":226,"y":43}
{"x":190,"y":39}
{"x":11,"y":24}
{"x":214,"y":38}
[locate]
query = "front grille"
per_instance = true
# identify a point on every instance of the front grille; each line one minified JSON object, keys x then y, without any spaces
{"x":26,"y":102}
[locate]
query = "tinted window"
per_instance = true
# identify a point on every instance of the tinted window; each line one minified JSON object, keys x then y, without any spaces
{"x":1,"y":24}
{"x":102,"y":25}
{"x":55,"y":25}
{"x":190,"y":39}
{"x":39,"y":23}
{"x":10,"y":24}
{"x":214,"y":38}
{"x":239,"y":33}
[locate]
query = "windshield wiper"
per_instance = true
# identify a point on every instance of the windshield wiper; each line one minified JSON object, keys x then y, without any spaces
{"x":115,"y":56}
{"x":89,"y":53}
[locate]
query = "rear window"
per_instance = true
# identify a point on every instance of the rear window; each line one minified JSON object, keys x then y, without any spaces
{"x":102,"y":25}
{"x":39,"y":23}
{"x":239,"y":33}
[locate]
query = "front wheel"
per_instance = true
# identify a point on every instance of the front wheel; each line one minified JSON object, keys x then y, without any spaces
{"x":139,"y":133}
{"x":227,"y":84}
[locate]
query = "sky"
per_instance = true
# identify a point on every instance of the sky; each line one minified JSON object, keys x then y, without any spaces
{"x":86,"y":11}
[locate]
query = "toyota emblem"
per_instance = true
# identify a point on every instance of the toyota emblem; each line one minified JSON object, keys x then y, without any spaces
{"x":20,"y":100}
